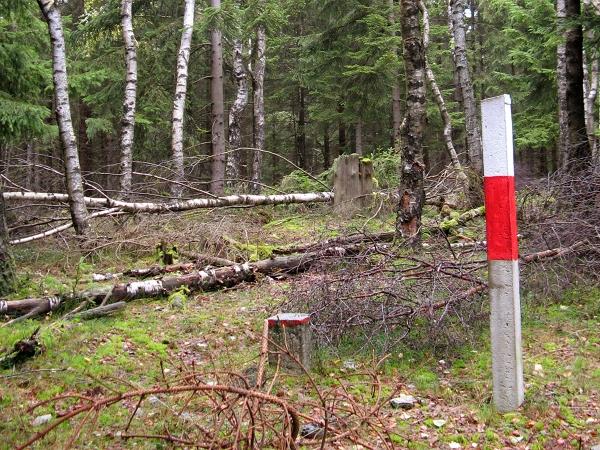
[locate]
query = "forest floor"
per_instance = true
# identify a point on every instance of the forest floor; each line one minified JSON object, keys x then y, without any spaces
{"x":222,"y":330}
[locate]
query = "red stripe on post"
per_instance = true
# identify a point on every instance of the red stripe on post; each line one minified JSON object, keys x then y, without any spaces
{"x":501,"y":218}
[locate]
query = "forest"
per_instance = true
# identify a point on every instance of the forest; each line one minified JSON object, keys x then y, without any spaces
{"x":254,"y":224}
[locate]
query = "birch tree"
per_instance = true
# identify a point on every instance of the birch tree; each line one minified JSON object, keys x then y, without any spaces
{"x":590,"y":83}
{"x":412,"y":193}
{"x":439,"y":99}
{"x":179,"y":103}
{"x":574,"y":146}
{"x":74,"y":179}
{"x":259,"y":106}
{"x":458,"y":31}
{"x":129,"y":100}
{"x":235,"y":113}
{"x":218,"y":108}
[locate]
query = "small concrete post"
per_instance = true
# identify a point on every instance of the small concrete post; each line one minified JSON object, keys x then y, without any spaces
{"x":290,"y":331}
{"x":503,"y":253}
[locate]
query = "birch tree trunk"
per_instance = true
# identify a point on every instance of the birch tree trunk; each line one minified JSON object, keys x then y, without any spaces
{"x":590,"y":83}
{"x":259,"y":107}
{"x":574,"y":146}
{"x":474,"y":144}
{"x":179,"y":102}
{"x":412,"y":193}
{"x":218,"y":109}
{"x":439,"y":99}
{"x":590,"y":92}
{"x":63,"y":115}
{"x":235,"y":114}
{"x":128,"y":119}
{"x":7,"y":268}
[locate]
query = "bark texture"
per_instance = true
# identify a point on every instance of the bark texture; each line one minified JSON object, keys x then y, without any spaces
{"x":259,"y":107}
{"x":180,"y":205}
{"x":474,"y":144}
{"x":439,"y":99}
{"x":128,"y":119}
{"x":412,"y":193}
{"x":179,"y":102}
{"x":204,"y":280}
{"x":574,"y":146}
{"x":235,"y":114}
{"x":74,"y":178}
{"x":590,"y":82}
{"x":218,"y":109}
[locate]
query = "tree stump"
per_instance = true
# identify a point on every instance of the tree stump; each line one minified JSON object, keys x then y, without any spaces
{"x":290,"y":334}
{"x":352,"y":183}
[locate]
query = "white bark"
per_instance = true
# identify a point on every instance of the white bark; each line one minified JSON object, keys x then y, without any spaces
{"x":128,"y":119}
{"x":590,"y":83}
{"x":474,"y":144}
{"x":64,"y":227}
{"x":235,"y":114}
{"x":218,"y":109}
{"x":259,"y":107}
{"x":439,"y":99}
{"x":63,"y":115}
{"x":179,"y":102}
{"x":180,"y":205}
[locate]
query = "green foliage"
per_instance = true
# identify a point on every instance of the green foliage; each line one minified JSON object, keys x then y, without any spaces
{"x":300,"y":181}
{"x":386,"y":167}
{"x":25,"y":73}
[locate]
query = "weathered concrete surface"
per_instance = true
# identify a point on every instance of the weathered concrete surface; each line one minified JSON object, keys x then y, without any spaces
{"x":290,"y":331}
{"x":505,"y":325}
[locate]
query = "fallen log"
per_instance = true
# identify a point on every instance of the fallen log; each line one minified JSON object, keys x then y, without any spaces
{"x":179,"y":205}
{"x":202,"y":280}
{"x":448,"y":225}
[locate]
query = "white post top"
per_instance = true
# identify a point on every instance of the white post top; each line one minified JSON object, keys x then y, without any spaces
{"x":497,"y":137}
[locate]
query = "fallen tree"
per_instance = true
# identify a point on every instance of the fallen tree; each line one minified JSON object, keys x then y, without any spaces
{"x":178,"y":205}
{"x":201,"y":280}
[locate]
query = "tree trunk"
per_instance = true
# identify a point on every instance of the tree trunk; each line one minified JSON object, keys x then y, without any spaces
{"x":7,"y":268}
{"x":179,"y":102}
{"x":575,"y":148}
{"x":341,"y":131}
{"x":474,"y":144}
{"x":204,"y":280}
{"x":412,"y":193}
{"x":180,"y":205}
{"x":235,"y":114}
{"x":326,"y":149}
{"x":259,"y":107}
{"x":358,"y":132}
{"x":128,"y":119}
{"x":301,"y":156}
{"x":590,"y":82}
{"x":218,"y":109}
{"x":396,"y":92}
{"x":439,"y":99}
{"x":63,"y":115}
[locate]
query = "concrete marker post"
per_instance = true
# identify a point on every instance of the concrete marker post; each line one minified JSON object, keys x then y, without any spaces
{"x":503,"y":253}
